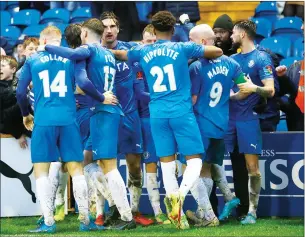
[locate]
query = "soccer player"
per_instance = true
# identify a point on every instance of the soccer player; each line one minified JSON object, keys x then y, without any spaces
{"x":211,"y":84}
{"x":55,"y":125}
{"x":149,"y":155}
{"x":106,"y":119}
{"x":173,"y":124}
{"x":130,"y":134}
{"x":244,"y":127}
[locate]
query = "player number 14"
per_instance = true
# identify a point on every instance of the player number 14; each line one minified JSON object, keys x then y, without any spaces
{"x":58,"y":84}
{"x":159,"y":72}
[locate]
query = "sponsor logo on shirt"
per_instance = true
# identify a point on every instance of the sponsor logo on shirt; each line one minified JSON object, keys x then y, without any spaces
{"x":139,"y":75}
{"x":268,"y":70}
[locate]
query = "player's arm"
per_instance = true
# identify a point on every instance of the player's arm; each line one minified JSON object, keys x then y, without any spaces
{"x":140,"y":92}
{"x":193,"y":50}
{"x":120,"y":54}
{"x":79,"y":53}
{"x":238,"y":95}
{"x":86,"y":85}
{"x":21,"y":94}
{"x":212,"y":52}
{"x":266,"y":75}
{"x":196,"y":80}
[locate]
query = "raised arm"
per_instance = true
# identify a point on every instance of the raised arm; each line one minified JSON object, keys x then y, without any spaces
{"x":212,"y":52}
{"x":21,"y":92}
{"x":79,"y":53}
{"x":120,"y":54}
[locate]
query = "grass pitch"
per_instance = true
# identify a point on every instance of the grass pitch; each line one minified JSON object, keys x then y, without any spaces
{"x":18,"y":226}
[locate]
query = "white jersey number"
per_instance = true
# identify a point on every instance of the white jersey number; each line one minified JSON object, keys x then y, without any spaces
{"x":215,"y":94}
{"x":157,"y":71}
{"x":109,"y":78}
{"x":58,"y":84}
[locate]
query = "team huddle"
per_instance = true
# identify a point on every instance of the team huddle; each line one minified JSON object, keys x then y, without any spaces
{"x":149,"y":101}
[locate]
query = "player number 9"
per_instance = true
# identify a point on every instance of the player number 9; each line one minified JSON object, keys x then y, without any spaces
{"x":215,"y":94}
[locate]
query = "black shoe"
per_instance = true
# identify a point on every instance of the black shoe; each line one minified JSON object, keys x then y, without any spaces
{"x":122,"y":225}
{"x":112,"y":216}
{"x":240,"y":218}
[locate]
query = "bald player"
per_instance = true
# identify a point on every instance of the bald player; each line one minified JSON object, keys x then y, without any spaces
{"x":211,"y":83}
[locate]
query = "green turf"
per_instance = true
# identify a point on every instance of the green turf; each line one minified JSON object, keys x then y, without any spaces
{"x":69,"y":227}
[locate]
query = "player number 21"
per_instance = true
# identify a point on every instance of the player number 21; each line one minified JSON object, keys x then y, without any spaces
{"x":58,"y":84}
{"x":157,"y":71}
{"x":215,"y":94}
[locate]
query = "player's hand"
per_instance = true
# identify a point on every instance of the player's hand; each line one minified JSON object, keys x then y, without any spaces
{"x":110,"y":98}
{"x":79,"y":91}
{"x":281,"y":70}
{"x":41,"y":48}
{"x":28,"y":122}
{"x":23,"y":142}
{"x":247,"y":87}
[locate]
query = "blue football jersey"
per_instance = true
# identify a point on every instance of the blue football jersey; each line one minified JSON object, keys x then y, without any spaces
{"x":257,"y":66}
{"x":124,"y":79}
{"x":101,"y":69}
{"x":142,"y":105}
{"x":53,"y":88}
{"x":165,"y":65}
{"x":211,"y":83}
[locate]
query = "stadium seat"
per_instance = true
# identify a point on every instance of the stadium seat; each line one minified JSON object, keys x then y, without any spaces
{"x":80,"y":15}
{"x":11,"y":5}
{"x":5,"y":17}
{"x":60,"y":15}
{"x":33,"y":31}
{"x":11,"y":33}
{"x":263,"y":29}
{"x":289,"y":27}
{"x":278,"y":45}
{"x":26,"y":17}
{"x":289,"y":61}
{"x":3,"y":5}
{"x":60,"y":26}
{"x":298,"y":48}
{"x":266,"y":10}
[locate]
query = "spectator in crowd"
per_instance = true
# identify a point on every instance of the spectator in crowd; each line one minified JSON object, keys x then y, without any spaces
{"x":2,"y":52}
{"x":294,"y":8}
{"x":18,"y":52}
{"x":292,"y":84}
{"x":11,"y":118}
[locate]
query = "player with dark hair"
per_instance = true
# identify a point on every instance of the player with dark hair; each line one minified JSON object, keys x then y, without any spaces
{"x":258,"y":67}
{"x":173,"y":124}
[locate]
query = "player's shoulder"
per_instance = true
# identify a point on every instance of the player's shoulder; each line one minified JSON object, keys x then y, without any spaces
{"x":126,"y":45}
{"x":197,"y":65}
{"x":236,"y":55}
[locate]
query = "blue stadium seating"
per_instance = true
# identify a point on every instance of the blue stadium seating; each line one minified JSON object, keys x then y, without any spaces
{"x":33,"y":31}
{"x":278,"y":45}
{"x":11,"y":5}
{"x":60,"y":26}
{"x":289,"y":61}
{"x":80,"y":15}
{"x":11,"y":33}
{"x":3,"y":5}
{"x":263,"y":29}
{"x":298,"y":48}
{"x":60,"y":15}
{"x":266,"y":10}
{"x":5,"y":18}
{"x":26,"y":17}
{"x":289,"y":27}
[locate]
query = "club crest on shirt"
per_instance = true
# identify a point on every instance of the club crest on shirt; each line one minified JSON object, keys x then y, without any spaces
{"x":251,"y":63}
{"x":146,"y":155}
{"x":139,"y":75}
